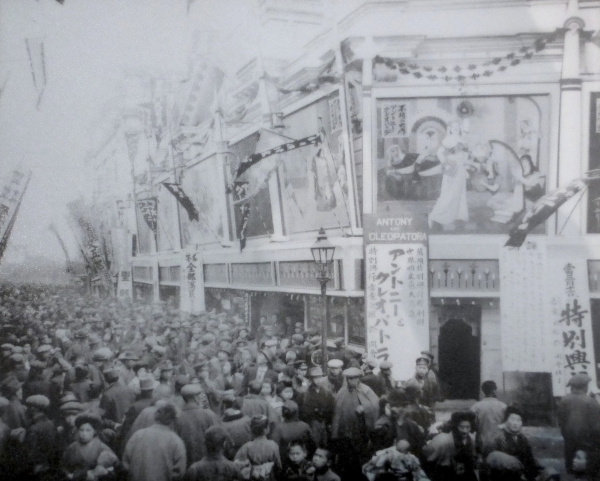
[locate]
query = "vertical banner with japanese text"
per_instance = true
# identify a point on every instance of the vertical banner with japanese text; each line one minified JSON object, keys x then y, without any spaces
{"x":396,"y":288}
{"x":525,"y":329}
{"x":571,"y":321}
{"x":192,"y":282}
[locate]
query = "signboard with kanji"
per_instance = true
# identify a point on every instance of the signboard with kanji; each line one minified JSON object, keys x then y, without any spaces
{"x":396,"y":289}
{"x":192,"y":282}
{"x":571,"y":322}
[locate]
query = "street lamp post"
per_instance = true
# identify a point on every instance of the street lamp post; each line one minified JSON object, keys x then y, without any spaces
{"x":322,"y":252}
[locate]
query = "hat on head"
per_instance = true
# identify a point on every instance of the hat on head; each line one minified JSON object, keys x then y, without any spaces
{"x":422,"y":360}
{"x":79,"y":335}
{"x":146,"y":383}
{"x":7,"y":345}
{"x":71,"y":407}
{"x":17,"y":350}
{"x":429,"y":354}
{"x":315,"y":372}
{"x":372,"y":363}
{"x":68,"y":396}
{"x":111,"y":375}
{"x":88,"y":418}
{"x":398,"y":398}
{"x":38,"y":401}
{"x":102,"y":354}
{"x":159,"y":349}
{"x":386,"y":365}
{"x":39,"y":365}
{"x":94,"y":339}
{"x":298,"y":337}
{"x":191,"y":390}
{"x":339,"y":341}
{"x":4,"y":402}
{"x":207,"y":338}
{"x":44,"y":348}
{"x":299,"y":324}
{"x":579,"y":381}
{"x":271,"y":343}
{"x":128,"y":356}
{"x":166,"y":365}
{"x":353,"y":372}
{"x":335,"y":363}
{"x":17,"y":358}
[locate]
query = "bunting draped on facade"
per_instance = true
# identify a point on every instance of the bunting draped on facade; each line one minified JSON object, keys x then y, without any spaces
{"x":183,"y":199}
{"x":461,"y":73}
{"x":243,"y":192}
{"x":10,"y":201}
{"x":149,"y":209}
{"x":545,"y":207}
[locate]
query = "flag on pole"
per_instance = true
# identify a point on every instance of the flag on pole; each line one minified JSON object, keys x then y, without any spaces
{"x":545,"y":207}
{"x":183,"y":199}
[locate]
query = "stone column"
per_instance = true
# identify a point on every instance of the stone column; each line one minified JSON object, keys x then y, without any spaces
{"x":569,"y":156}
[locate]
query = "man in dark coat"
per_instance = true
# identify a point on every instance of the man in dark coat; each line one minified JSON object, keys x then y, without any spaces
{"x":236,"y":424}
{"x":356,"y":410}
{"x":117,"y":398}
{"x":317,"y":406}
{"x":579,"y":419}
{"x":292,"y":429}
{"x":335,"y":379}
{"x":214,"y":466}
{"x":40,"y":441}
{"x":144,"y":400}
{"x":192,"y":423}
{"x":374,"y":381}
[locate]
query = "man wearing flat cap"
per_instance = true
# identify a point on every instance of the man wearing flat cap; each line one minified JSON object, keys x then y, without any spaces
{"x":335,"y":380}
{"x":370,"y":379}
{"x":317,"y":406}
{"x":193,"y":422}
{"x":579,"y":419}
{"x":356,"y":410}
{"x":430,"y":391}
{"x":41,"y":442}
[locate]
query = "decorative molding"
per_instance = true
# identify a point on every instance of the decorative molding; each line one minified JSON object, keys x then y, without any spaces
{"x":215,"y":274}
{"x":302,"y":274}
{"x":254,"y":273}
{"x":471,"y":275}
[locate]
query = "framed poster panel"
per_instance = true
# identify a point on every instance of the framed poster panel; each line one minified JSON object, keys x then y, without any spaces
{"x":313,"y":179}
{"x":472,"y":164}
{"x":198,"y":182}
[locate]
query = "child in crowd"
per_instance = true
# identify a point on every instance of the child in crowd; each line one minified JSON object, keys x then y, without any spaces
{"x":321,"y":466}
{"x":296,"y":465}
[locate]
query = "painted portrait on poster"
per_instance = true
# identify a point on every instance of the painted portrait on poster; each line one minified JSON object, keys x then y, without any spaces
{"x":472,"y":164}
{"x":314,"y":178}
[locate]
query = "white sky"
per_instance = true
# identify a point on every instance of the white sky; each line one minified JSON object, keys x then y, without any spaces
{"x":89,"y":46}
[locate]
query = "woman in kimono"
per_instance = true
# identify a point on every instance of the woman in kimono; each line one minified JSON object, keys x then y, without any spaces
{"x":451,"y":205}
{"x":88,"y":458}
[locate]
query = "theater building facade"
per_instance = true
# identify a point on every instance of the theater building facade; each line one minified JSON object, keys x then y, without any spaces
{"x":463,"y":127}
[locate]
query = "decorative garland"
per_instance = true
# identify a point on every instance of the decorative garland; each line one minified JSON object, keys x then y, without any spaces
{"x":472,"y":71}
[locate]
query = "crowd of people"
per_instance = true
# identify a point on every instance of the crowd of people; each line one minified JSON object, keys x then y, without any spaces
{"x":106,"y":389}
